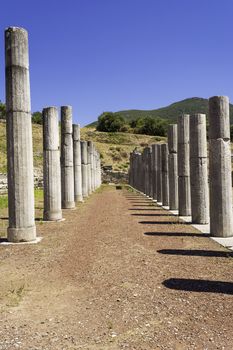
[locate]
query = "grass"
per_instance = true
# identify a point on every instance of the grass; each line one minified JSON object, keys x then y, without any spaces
{"x":115,"y":148}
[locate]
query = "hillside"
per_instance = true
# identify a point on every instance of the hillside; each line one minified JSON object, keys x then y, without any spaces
{"x":113,"y":147}
{"x":171,"y":112}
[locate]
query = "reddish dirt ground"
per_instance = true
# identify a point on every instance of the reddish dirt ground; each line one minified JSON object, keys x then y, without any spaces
{"x":118,"y":273}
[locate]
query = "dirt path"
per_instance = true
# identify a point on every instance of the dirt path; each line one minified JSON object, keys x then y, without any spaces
{"x":117,"y":274}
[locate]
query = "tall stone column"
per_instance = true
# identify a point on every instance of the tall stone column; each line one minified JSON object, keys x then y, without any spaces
{"x":154,"y":170}
{"x":91,"y":147}
{"x":183,"y":166}
{"x":172,"y":167}
{"x":51,"y":165}
{"x":146,"y":164}
{"x":67,"y":165}
{"x":84,"y":169}
{"x":78,"y":196}
{"x":198,"y":170}
{"x":164,"y":168}
{"x":89,"y":151}
{"x":150,"y":192}
{"x":159,"y":174}
{"x":221,"y":223}
{"x":19,"y":138}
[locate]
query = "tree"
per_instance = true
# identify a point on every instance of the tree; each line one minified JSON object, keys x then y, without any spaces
{"x":109,"y":122}
{"x":37,"y":118}
{"x":152,"y":126}
{"x":2,"y":110}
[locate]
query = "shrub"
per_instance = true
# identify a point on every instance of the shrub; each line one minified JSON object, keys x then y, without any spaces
{"x":108,"y":122}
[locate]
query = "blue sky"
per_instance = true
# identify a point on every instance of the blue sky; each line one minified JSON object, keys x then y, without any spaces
{"x":100,"y":55}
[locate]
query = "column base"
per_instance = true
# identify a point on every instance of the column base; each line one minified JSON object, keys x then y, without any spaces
{"x":68,"y":205}
{"x":17,"y":235}
{"x":78,"y":198}
{"x":52,"y":216}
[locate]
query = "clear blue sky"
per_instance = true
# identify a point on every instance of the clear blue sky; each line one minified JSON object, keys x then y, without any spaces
{"x":99,"y":55}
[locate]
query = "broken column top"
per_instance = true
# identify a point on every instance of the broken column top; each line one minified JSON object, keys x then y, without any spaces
{"x":66,"y":119}
{"x":76,"y":132}
{"x":183,"y":128}
{"x":172,"y":138}
{"x":16,"y":47}
{"x":219,"y":121}
{"x":198,"y":146}
{"x":50,"y":129}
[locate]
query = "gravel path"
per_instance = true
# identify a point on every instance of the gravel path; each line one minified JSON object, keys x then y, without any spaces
{"x":118,"y":273}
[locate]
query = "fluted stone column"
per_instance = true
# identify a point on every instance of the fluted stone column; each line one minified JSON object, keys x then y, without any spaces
{"x":164,"y":168}
{"x":150,"y":193}
{"x":183,"y":166}
{"x":51,"y":165}
{"x":172,"y":167}
{"x":198,"y":170}
{"x":84,"y":169}
{"x":159,"y":174}
{"x":67,"y":166}
{"x":19,"y":138}
{"x":221,"y":223}
{"x":91,"y":148}
{"x":154,"y":170}
{"x":78,"y":196}
{"x":89,"y":167}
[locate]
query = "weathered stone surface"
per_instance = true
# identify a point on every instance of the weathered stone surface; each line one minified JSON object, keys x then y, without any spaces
{"x":159,"y":174}
{"x":219,"y":112}
{"x":221,"y":221}
{"x":78,"y":196}
{"x":154,"y":170}
{"x":19,"y":138}
{"x":198,"y":170}
{"x":67,"y":167}
{"x":164,"y":168}
{"x":173,"y":166}
{"x":51,"y":165}
{"x":84,"y":169}
{"x":184,"y":197}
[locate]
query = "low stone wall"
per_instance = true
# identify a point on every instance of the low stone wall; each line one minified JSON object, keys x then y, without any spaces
{"x":116,"y":177}
{"x":38,"y":180}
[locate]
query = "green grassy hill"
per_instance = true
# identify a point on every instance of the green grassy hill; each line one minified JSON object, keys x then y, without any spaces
{"x":171,"y":112}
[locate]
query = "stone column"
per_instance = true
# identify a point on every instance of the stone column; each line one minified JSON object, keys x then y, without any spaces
{"x":150,"y":190}
{"x":146,"y":165}
{"x":78,"y":196}
{"x":221,"y":223}
{"x":51,"y":165}
{"x":198,"y":170}
{"x":172,"y":167}
{"x":84,"y":169}
{"x":89,"y":151}
{"x":183,"y":166}
{"x":164,"y":168}
{"x":154,"y":170}
{"x":67,"y":166}
{"x":159,"y":174}
{"x":19,"y":138}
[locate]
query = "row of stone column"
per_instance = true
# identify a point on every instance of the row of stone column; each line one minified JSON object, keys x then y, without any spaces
{"x":68,"y":179}
{"x":180,"y":175}
{"x":75,"y":175}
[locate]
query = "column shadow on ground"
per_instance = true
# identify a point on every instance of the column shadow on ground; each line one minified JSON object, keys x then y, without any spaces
{"x":154,"y":215}
{"x":196,"y":252}
{"x":176,"y":234}
{"x":161,"y":222}
{"x":197,"y":285}
{"x":149,"y":209}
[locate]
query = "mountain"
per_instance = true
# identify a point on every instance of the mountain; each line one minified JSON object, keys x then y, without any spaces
{"x":171,"y":112}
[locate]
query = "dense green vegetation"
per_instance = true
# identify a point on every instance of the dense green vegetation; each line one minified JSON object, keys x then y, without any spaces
{"x":110,"y":122}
